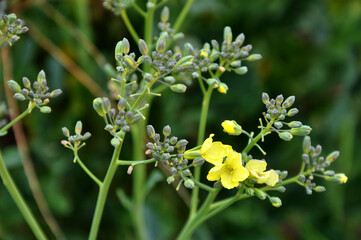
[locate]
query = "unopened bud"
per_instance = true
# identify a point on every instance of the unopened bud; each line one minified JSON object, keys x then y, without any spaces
{"x":130,"y":169}
{"x":143,"y":48}
{"x":45,"y":109}
{"x":55,"y":93}
{"x":19,"y":96}
{"x":129,"y":61}
{"x":198,"y":162}
{"x":253,"y":57}
{"x":164,"y":15}
{"x":260,"y":194}
{"x":223,"y":88}
{"x":41,"y":77}
{"x":166,"y":131}
{"x":265,"y":98}
{"x":332,"y":156}
{"x":99,"y":107}
{"x":14,"y":86}
{"x":78,"y":127}
{"x":150,"y":131}
{"x":162,"y":42}
{"x":227,"y":35}
{"x":292,"y":112}
{"x":319,"y":189}
{"x":170,"y":179}
{"x":285,"y":136}
{"x":169,"y":79}
{"x":275,"y":201}
{"x":295,"y":124}
{"x":65,"y":132}
{"x":26,"y":82}
{"x":338,"y":178}
{"x":301,"y":131}
{"x":178,"y":88}
{"x":189,"y":184}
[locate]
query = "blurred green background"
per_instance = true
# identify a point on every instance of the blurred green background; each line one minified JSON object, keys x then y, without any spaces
{"x":311,"y":49}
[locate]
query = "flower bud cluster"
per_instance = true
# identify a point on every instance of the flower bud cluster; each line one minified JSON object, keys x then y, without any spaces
{"x":37,"y":95}
{"x":75,"y":141}
{"x":277,"y":111}
{"x":10,"y":28}
{"x":317,"y":164}
{"x":118,"y":119}
{"x":165,"y":26}
{"x":169,"y":152}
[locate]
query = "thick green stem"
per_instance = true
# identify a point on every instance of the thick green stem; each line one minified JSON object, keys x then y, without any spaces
{"x":19,"y":201}
{"x":139,"y":175}
{"x":201,"y":133}
{"x":103,"y":192}
{"x":194,"y":221}
{"x":148,"y":30}
{"x":182,"y":15}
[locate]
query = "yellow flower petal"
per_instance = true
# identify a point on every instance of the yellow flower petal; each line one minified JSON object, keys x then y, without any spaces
{"x":215,"y":153}
{"x":228,"y":181}
{"x":215,"y":173}
{"x":256,"y":166}
{"x":207,"y":144}
{"x":270,"y":178}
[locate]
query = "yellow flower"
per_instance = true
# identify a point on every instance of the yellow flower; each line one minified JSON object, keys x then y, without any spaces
{"x":222,"y":88}
{"x":257,"y":169}
{"x":231,"y":127}
{"x":231,"y":172}
{"x":213,"y":152}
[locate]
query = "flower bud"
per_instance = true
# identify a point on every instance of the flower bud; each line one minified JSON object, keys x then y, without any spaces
{"x":162,"y":42}
{"x":227,"y":35}
{"x":278,"y":125}
{"x":129,"y":61}
{"x":181,"y":145}
{"x":285,"y":136}
{"x":14,"y":86}
{"x":164,"y":15}
{"x":275,"y":201}
{"x":332,"y":156}
{"x":306,"y":144}
{"x":223,"y":88}
{"x":86,"y":136}
{"x":55,"y":93}
{"x":26,"y":82}
{"x":338,"y":178}
{"x":143,"y":48}
{"x":265,"y":98}
{"x":249,"y":191}
{"x":65,"y":132}
{"x":301,"y":131}
{"x":212,"y":82}
{"x":292,"y":112}
{"x":41,"y":77}
{"x":231,"y":127}
{"x":122,"y":104}
{"x":241,"y":70}
{"x":169,"y":79}
{"x":295,"y":124}
{"x":253,"y":57}
{"x":281,"y":189}
{"x":178,"y":88}
{"x":319,"y":189}
{"x":45,"y":109}
{"x":288,"y":102}
{"x":150,"y":131}
{"x":19,"y":96}
{"x":236,"y":64}
{"x":78,"y":127}
{"x":126,"y":47}
{"x":283,"y":174}
{"x":118,"y":51}
{"x":198,"y":162}
{"x":260,"y":194}
{"x":99,"y":107}
{"x":189,"y":184}
{"x":191,"y":154}
{"x":240,"y":38}
{"x":166,"y":131}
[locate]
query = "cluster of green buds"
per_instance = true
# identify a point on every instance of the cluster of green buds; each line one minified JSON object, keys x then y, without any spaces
{"x":217,"y":58}
{"x":317,"y":164}
{"x":75,"y":142}
{"x":3,"y":112}
{"x":169,"y":152}
{"x":118,"y":120}
{"x":10,"y":29}
{"x":277,"y":111}
{"x":38,"y":95}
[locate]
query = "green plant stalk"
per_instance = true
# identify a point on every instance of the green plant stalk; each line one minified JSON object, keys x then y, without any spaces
{"x":86,"y":170}
{"x":148,"y":23}
{"x":254,"y":141}
{"x":193,"y":222}
{"x":182,"y":15}
{"x":129,"y":25}
{"x":139,"y":182}
{"x":19,"y":201}
{"x":103,"y":192}
{"x":17,"y":119}
{"x":201,"y":133}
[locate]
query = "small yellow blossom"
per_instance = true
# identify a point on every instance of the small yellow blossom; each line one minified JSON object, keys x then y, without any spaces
{"x":231,"y":127}
{"x":257,"y":169}
{"x":342,"y":177}
{"x":231,"y":172}
{"x":203,"y":53}
{"x":222,"y":88}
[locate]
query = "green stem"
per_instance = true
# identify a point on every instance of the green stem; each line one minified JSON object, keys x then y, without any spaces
{"x":103,"y":192}
{"x":254,"y":141}
{"x":182,"y":15}
{"x":86,"y":170}
{"x":194,"y":221}
{"x":17,"y":119}
{"x":139,"y":174}
{"x":19,"y":201}
{"x":129,"y":25}
{"x":138,"y":9}
{"x":201,"y":133}
{"x":148,"y":31}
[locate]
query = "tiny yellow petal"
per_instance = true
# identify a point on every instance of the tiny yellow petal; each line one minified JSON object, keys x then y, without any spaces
{"x":215,"y":173}
{"x":228,"y":126}
{"x":215,"y":153}
{"x":228,"y":181}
